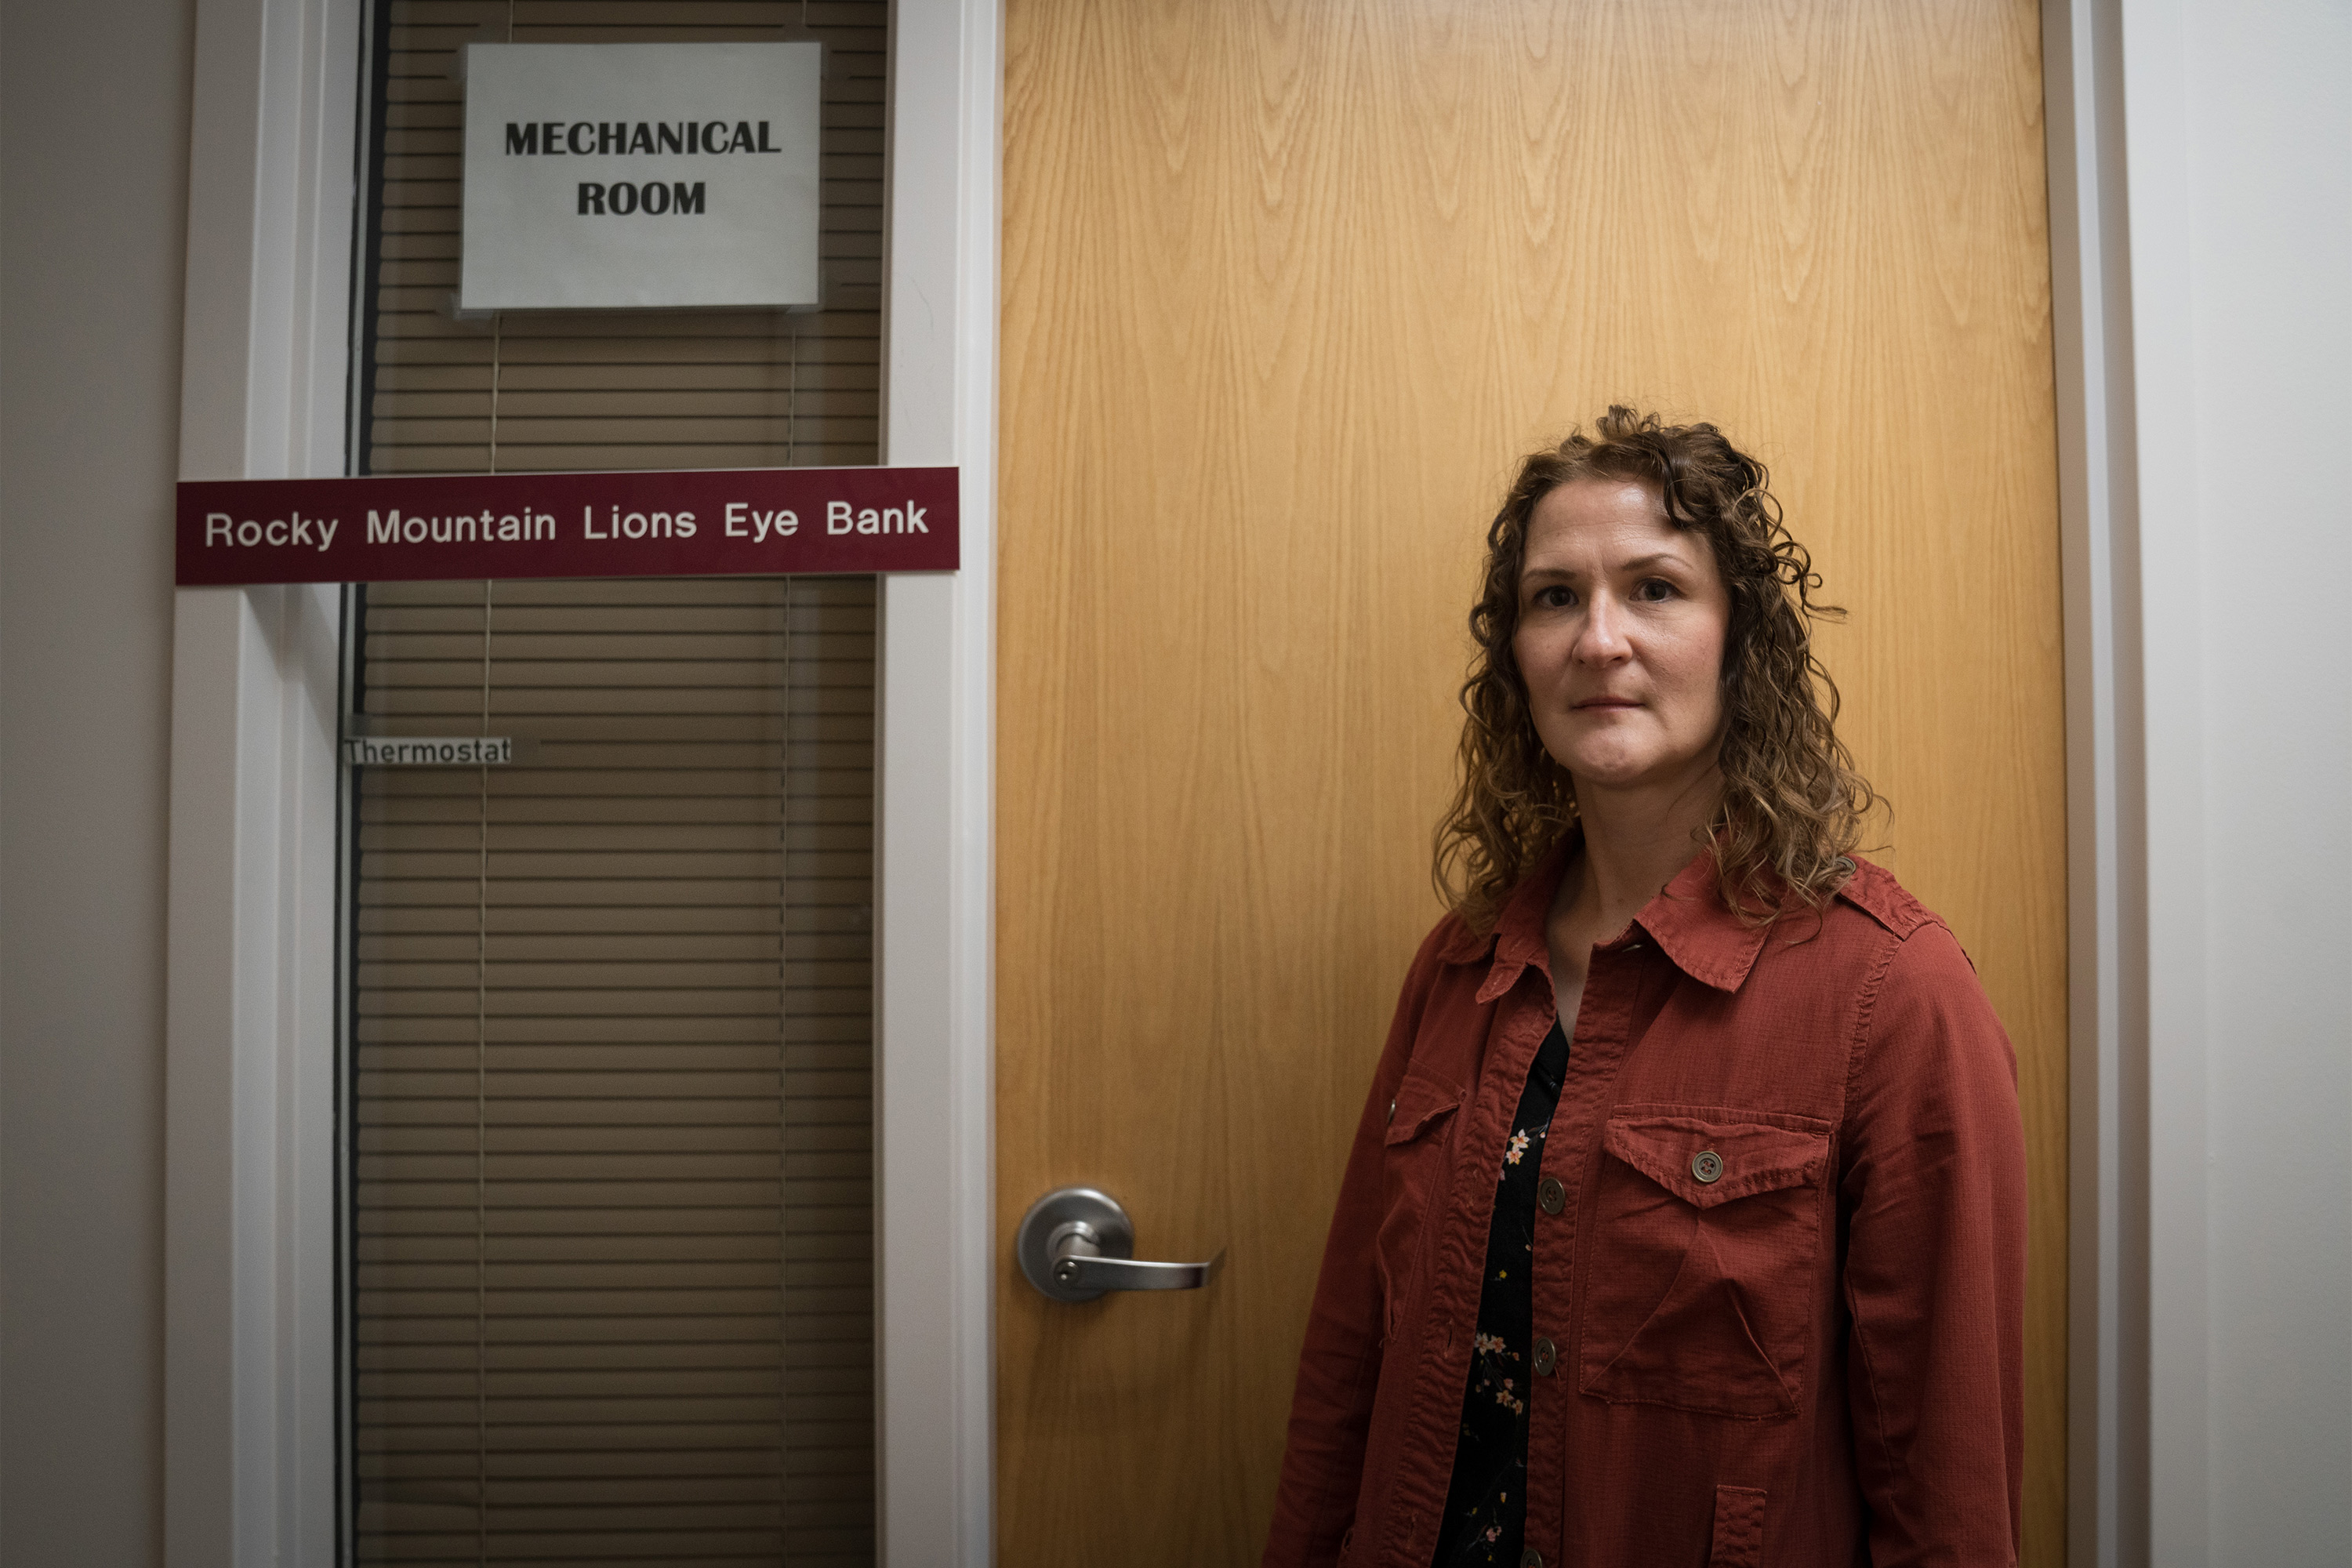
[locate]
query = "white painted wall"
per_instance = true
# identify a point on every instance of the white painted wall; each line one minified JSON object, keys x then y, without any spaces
{"x":93,"y":181}
{"x":2270,"y":186}
{"x":2238,"y":133}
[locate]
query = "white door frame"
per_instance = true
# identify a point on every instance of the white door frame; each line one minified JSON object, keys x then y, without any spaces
{"x":250,"y":1401}
{"x":252,"y":1409}
{"x":251,"y":1405}
{"x":2115,"y":91}
{"x":935,"y":1092}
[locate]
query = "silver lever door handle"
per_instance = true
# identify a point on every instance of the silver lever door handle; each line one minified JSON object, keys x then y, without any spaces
{"x":1077,"y":1242}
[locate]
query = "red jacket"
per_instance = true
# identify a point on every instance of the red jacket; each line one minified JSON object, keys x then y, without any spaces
{"x":1781,"y":1279}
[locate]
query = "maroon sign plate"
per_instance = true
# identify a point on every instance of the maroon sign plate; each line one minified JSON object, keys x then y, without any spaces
{"x":683,"y":524}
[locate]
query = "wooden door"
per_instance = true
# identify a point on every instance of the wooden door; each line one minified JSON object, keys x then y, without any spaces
{"x":1287,"y":290}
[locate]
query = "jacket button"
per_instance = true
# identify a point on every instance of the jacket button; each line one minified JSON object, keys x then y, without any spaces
{"x":1552,"y":1194}
{"x":1530,"y":1558}
{"x":1546,"y":1357}
{"x":1708,"y":1166}
{"x":1392,"y":1112}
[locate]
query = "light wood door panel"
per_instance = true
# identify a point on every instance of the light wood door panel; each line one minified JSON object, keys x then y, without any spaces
{"x":1287,"y":290}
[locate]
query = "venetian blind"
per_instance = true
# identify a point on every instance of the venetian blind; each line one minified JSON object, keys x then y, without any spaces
{"x":611,"y":1212}
{"x":612,"y":1229}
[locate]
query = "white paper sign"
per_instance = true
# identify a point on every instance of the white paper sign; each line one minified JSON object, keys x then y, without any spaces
{"x":636,"y":175}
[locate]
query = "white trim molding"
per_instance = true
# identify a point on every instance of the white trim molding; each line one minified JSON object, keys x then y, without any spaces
{"x":2171,"y":1172}
{"x":250,"y":1407}
{"x":936,"y":1097}
{"x":272,"y":188}
{"x":251,"y":1445}
{"x":2091,"y":321}
{"x":2120,"y":221}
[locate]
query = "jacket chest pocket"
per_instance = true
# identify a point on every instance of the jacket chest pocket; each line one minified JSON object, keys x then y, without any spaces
{"x":1706,"y":1239}
{"x":1416,"y":1163}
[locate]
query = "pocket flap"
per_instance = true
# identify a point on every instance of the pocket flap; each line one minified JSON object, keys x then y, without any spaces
{"x":1420,"y":1102}
{"x":1748,"y":1157}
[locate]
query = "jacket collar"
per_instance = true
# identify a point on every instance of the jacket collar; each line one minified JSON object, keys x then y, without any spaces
{"x":1692,"y":925}
{"x":1687,"y":919}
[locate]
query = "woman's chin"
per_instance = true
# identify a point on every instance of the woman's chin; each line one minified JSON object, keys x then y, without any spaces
{"x":1613,"y":770}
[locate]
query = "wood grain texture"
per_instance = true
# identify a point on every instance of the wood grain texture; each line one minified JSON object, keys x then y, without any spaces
{"x":1287,"y":289}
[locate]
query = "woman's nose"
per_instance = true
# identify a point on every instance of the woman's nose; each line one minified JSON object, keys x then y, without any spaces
{"x":1603,"y":639}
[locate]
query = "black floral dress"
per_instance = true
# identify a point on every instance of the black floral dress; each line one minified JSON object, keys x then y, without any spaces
{"x":1486,"y":1506}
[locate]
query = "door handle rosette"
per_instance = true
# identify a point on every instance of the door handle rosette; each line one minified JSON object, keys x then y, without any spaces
{"x":1077,"y":1242}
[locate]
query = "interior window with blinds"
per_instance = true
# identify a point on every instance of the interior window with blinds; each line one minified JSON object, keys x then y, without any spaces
{"x":610,"y":1218}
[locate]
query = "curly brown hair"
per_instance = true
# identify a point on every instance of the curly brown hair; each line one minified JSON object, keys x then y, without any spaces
{"x":1792,"y":803}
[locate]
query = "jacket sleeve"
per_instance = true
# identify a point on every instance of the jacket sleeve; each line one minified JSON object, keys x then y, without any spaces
{"x":1934,"y":1193}
{"x":1339,"y":1366}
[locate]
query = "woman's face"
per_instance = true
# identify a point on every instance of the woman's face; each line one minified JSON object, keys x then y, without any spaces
{"x":1622,"y":621}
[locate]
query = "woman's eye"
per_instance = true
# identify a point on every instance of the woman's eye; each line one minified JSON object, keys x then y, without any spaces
{"x":1655,"y":588}
{"x":1554,"y":597}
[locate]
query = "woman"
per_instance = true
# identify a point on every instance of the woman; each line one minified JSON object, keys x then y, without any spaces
{"x":1685,"y":1222}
